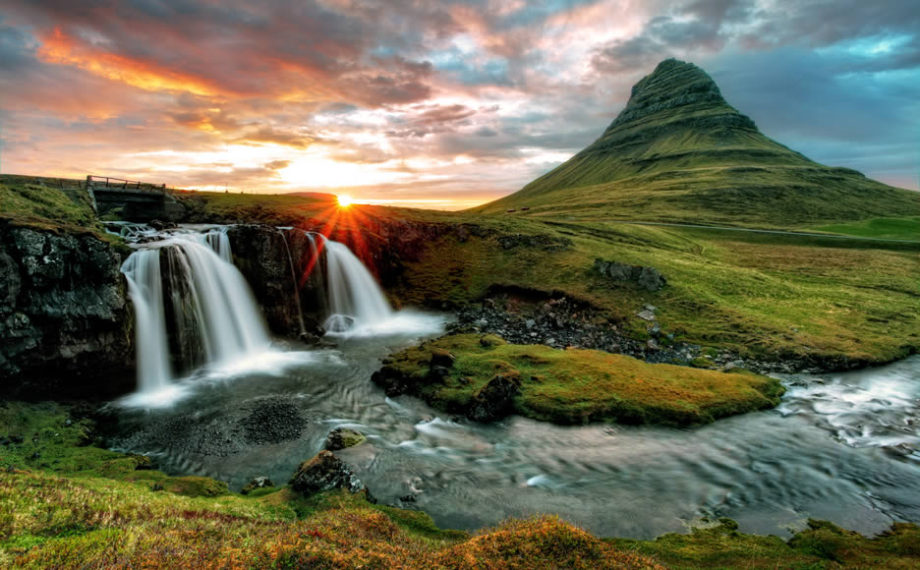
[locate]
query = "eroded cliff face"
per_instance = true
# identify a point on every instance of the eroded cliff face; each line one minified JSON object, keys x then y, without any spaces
{"x":65,"y":323}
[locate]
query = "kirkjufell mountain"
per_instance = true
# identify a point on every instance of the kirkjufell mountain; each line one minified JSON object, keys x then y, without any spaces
{"x":679,"y":152}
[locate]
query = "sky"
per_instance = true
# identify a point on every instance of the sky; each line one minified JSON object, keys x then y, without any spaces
{"x":430,"y":104}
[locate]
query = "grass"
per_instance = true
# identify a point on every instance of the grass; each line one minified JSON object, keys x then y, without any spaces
{"x":47,"y":203}
{"x":879,"y":228}
{"x":821,"y":545}
{"x":575,"y":386}
{"x":825,"y":302}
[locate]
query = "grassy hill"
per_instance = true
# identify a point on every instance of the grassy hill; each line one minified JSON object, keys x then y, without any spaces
{"x":679,"y":152}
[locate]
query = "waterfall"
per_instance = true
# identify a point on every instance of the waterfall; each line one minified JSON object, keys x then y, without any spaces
{"x":355,"y":298}
{"x":142,"y":271}
{"x":208,"y":299}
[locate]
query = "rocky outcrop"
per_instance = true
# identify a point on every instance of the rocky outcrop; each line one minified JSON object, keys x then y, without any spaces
{"x":342,"y":438}
{"x":286,"y":277}
{"x":495,"y":399}
{"x":66,"y":325}
{"x":325,"y":472}
{"x":647,"y":278}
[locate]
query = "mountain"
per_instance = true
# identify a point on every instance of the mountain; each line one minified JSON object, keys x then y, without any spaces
{"x":680,"y":152}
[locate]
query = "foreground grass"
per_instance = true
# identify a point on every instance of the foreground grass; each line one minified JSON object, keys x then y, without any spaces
{"x":821,"y":545}
{"x":62,"y":505}
{"x":576,"y":386}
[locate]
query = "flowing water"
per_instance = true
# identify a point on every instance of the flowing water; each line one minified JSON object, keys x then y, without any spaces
{"x":841,"y":447}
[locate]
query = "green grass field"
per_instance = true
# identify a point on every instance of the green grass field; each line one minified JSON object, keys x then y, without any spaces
{"x":879,"y":228}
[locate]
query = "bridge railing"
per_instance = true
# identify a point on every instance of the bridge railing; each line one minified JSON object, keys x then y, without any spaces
{"x":101,"y":182}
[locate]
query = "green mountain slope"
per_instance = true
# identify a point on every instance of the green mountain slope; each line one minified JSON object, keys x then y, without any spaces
{"x":680,"y":152}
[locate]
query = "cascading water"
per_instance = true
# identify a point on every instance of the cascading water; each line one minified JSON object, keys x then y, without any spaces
{"x":208,"y":299}
{"x":355,"y":298}
{"x":145,"y":286}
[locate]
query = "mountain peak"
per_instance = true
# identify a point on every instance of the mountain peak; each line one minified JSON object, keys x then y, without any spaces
{"x":674,"y":87}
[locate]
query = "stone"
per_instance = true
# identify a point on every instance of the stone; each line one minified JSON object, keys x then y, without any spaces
{"x":647,"y":278}
{"x":257,"y":483}
{"x":341,"y":438}
{"x":324,"y":472}
{"x":646,"y":315}
{"x":441,"y":357}
{"x":495,"y":399}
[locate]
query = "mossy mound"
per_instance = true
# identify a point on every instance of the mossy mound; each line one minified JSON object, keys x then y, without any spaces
{"x":821,"y":545}
{"x":484,"y":378}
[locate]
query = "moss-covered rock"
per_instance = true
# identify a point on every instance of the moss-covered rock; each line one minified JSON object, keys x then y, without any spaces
{"x":341,"y":438}
{"x":489,"y":379}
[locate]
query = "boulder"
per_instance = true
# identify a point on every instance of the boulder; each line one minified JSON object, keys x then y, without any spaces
{"x":324,"y":472}
{"x":257,"y":483}
{"x":341,"y":438}
{"x":495,"y":400}
{"x":647,"y":278}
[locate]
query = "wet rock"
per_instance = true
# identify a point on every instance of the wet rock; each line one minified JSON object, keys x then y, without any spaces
{"x":66,"y":325}
{"x":161,"y":225}
{"x":256,"y":483}
{"x":495,"y":400}
{"x":341,"y":438}
{"x":324,"y":472}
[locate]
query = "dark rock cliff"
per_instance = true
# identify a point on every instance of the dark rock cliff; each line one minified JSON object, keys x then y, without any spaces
{"x":65,"y":323}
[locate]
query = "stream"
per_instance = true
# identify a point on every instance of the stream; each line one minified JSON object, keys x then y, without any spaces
{"x":841,"y":447}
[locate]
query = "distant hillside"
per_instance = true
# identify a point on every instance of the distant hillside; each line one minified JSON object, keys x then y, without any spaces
{"x":680,"y":152}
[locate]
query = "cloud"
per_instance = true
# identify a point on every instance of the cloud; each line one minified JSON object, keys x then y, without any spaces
{"x":469,"y":98}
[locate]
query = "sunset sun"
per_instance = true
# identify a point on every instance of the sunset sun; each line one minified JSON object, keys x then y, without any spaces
{"x":344,"y":200}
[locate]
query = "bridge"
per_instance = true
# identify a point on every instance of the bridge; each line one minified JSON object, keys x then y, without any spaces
{"x":132,"y":200}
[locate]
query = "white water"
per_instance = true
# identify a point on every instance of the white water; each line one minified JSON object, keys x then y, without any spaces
{"x":208,"y":297}
{"x":185,"y":289}
{"x":142,"y":271}
{"x":355,"y":299}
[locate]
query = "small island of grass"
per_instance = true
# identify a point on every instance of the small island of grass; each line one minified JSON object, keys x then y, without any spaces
{"x":485,"y":378}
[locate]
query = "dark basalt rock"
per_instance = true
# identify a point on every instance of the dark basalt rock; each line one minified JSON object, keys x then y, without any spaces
{"x":342,"y":438}
{"x":495,"y":400}
{"x":65,"y":321}
{"x":325,"y":472}
{"x":647,"y":278}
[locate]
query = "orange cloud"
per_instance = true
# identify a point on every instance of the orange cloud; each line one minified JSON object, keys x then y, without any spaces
{"x":61,"y":49}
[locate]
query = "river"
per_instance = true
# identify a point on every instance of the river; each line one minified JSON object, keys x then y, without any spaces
{"x":841,"y":447}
